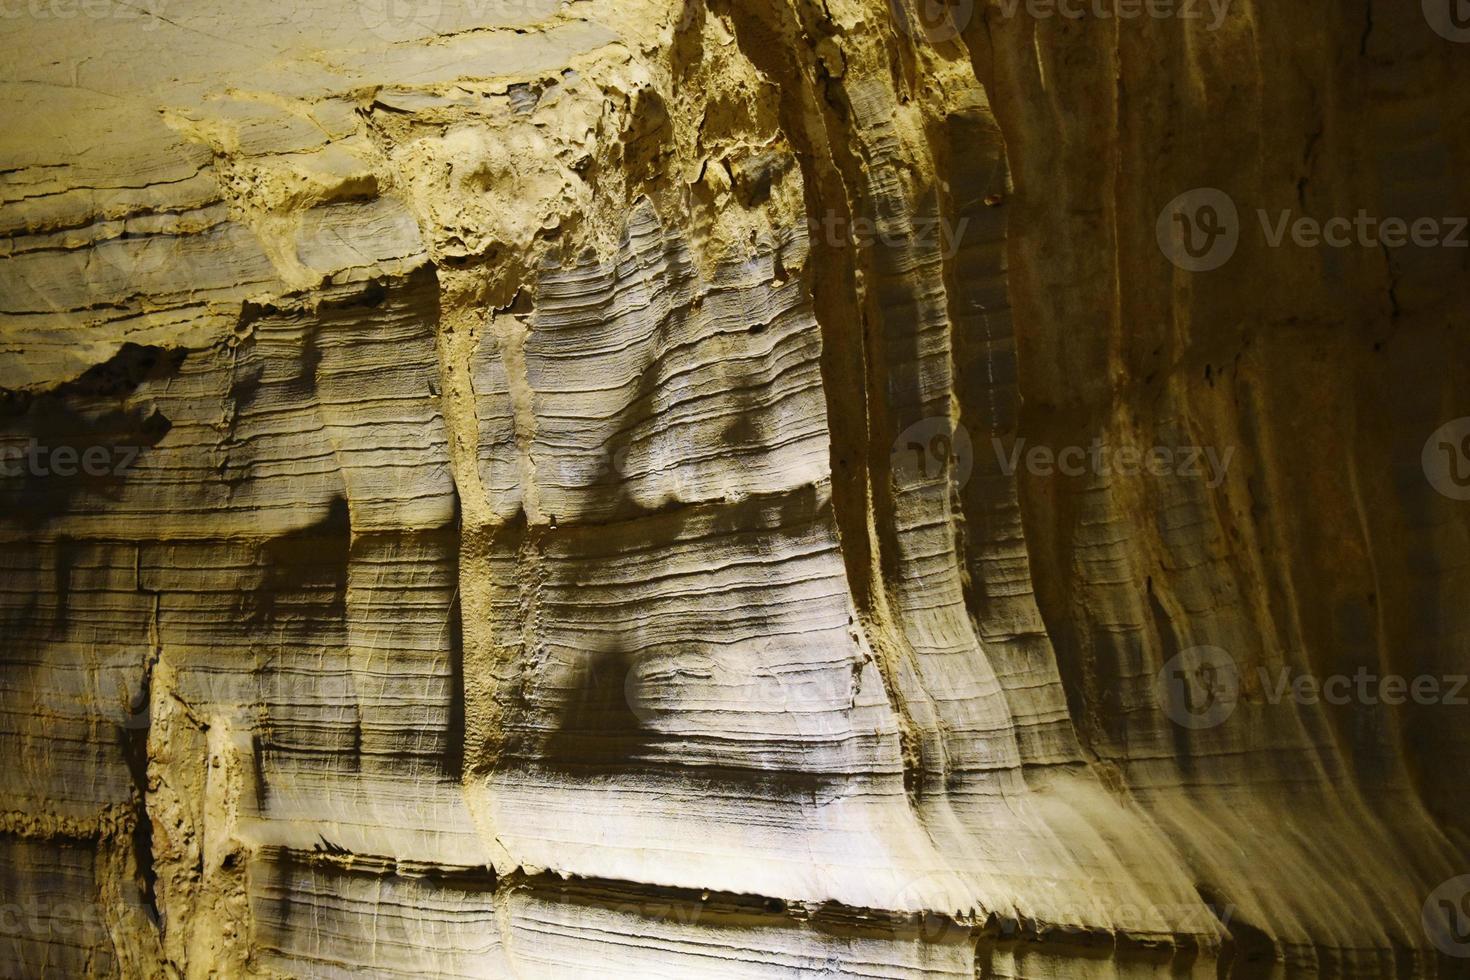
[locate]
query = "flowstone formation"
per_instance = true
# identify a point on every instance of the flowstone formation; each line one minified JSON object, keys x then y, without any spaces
{"x":733,"y":488}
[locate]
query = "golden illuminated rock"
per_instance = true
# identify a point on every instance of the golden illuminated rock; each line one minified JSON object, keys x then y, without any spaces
{"x":667,"y":488}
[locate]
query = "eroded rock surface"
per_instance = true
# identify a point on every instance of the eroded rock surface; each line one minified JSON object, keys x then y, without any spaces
{"x":534,"y":488}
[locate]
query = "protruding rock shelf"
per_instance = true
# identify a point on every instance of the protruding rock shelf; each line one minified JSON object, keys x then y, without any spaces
{"x":733,"y":488}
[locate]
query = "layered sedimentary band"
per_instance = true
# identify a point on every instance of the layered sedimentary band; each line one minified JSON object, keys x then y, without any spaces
{"x":549,"y":490}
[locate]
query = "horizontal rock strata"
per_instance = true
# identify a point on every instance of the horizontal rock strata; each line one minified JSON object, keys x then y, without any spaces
{"x":548,"y":489}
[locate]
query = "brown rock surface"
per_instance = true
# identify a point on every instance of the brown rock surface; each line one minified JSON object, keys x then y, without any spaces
{"x":770,"y":488}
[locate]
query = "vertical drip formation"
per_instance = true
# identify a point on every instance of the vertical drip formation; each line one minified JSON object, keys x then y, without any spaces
{"x":638,"y":489}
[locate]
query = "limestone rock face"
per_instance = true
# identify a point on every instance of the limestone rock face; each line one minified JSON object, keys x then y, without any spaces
{"x":667,"y":488}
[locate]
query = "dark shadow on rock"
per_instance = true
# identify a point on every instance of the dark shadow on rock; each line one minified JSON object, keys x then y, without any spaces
{"x":303,"y":581}
{"x":81,"y":438}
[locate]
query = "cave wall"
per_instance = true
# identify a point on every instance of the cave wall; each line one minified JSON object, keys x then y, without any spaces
{"x":639,"y":489}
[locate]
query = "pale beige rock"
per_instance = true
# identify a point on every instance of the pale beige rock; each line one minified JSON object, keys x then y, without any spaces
{"x":556,"y":512}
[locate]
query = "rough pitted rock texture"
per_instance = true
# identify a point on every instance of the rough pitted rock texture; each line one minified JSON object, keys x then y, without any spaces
{"x":555,"y":510}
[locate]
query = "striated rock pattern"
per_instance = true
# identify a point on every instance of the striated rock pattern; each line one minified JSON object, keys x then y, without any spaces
{"x":735,"y":488}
